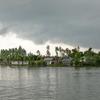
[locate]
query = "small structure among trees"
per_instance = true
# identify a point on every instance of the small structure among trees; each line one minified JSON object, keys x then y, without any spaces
{"x":67,"y":57}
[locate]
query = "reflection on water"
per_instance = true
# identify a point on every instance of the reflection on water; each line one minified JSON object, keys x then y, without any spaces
{"x":25,"y":83}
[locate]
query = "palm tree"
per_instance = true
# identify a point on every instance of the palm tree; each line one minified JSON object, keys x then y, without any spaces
{"x":56,"y":50}
{"x":38,"y":52}
{"x":48,"y":50}
{"x":68,"y":51}
{"x":78,"y":48}
{"x":62,"y":51}
{"x":89,"y":52}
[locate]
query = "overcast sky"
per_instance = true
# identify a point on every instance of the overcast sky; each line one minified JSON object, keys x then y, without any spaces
{"x":73,"y":22}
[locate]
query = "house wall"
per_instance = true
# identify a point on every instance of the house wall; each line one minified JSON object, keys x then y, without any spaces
{"x":19,"y":63}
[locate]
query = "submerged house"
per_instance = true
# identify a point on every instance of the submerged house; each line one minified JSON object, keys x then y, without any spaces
{"x":19,"y":62}
{"x":58,"y":60}
{"x":66,"y":60}
{"x":48,"y":60}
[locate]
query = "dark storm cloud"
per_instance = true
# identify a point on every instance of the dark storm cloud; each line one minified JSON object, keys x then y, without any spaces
{"x":3,"y":31}
{"x":75,"y":22}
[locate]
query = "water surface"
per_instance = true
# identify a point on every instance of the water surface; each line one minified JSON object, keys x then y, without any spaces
{"x":49,"y":83}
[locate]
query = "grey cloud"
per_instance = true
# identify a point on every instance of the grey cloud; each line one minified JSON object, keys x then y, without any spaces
{"x":74,"y":22}
{"x":4,"y":30}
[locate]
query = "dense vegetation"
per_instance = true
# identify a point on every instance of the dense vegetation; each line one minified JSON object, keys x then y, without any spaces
{"x":79,"y":58}
{"x":19,"y":54}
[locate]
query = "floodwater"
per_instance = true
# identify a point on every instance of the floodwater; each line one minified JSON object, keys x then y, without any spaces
{"x":49,"y":83}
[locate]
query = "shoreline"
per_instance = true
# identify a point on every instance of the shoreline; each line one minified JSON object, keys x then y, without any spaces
{"x":52,"y":65}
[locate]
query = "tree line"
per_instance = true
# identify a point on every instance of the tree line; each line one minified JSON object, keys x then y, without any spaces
{"x":79,"y":58}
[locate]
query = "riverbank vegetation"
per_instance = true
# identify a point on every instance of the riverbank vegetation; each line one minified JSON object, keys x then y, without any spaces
{"x":63,"y":57}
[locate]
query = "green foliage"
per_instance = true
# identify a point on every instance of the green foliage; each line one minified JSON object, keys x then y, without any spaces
{"x":88,"y":57}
